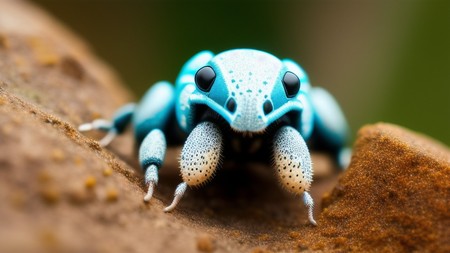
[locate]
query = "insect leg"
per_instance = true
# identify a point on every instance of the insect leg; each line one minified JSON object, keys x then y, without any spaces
{"x":151,"y":156}
{"x":120,"y":121}
{"x":309,"y":202}
{"x":200,"y":158}
{"x":179,"y":192}
{"x":151,"y":121}
{"x":293,"y":164}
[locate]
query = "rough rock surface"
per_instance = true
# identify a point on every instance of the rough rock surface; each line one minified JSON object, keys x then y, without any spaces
{"x":394,"y":197}
{"x":61,"y":192}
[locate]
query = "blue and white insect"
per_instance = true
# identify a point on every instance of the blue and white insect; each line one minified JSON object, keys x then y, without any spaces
{"x":241,"y":102}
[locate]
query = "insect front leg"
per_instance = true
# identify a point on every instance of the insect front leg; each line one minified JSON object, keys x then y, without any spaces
{"x":120,"y":121}
{"x":151,"y":156}
{"x":200,"y":158}
{"x":151,"y":118}
{"x":293,"y":164}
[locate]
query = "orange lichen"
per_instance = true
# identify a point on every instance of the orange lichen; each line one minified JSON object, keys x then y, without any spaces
{"x":111,"y":195}
{"x":90,"y":182}
{"x":205,"y":243}
{"x":107,"y":172}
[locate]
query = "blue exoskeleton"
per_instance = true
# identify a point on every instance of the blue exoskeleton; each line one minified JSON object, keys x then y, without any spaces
{"x":240,"y":103}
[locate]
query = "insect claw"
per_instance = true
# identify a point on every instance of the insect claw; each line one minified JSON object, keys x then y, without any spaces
{"x":103,"y":125}
{"x":98,"y":124}
{"x":108,"y":138}
{"x":85,"y":127}
{"x":311,"y":220}
{"x":309,"y":202}
{"x":151,"y":187}
{"x":179,"y":192}
{"x":151,"y":178}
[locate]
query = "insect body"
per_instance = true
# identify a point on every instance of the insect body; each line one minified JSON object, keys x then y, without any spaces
{"x":239,"y":101}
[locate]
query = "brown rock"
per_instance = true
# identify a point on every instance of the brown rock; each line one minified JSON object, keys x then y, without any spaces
{"x":39,"y":57}
{"x":394,"y":197}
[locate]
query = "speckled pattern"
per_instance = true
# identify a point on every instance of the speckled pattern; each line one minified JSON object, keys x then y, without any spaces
{"x":153,"y":149}
{"x":292,"y":160}
{"x":184,"y":106}
{"x":250,"y":76}
{"x":201,"y":154}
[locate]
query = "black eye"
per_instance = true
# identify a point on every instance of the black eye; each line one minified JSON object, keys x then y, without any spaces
{"x":231,"y":105}
{"x":204,"y":78}
{"x":267,"y":107}
{"x":291,"y":84}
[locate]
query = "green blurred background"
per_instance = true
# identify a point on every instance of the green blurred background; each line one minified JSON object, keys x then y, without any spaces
{"x":383,"y":60}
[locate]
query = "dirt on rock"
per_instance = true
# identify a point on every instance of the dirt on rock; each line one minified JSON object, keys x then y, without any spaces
{"x":62,"y":192}
{"x":394,"y":197}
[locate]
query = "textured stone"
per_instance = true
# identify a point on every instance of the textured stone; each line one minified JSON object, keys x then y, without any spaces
{"x":394,"y":197}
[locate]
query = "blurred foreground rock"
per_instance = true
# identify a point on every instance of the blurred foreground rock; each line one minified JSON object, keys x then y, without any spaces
{"x":61,"y":192}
